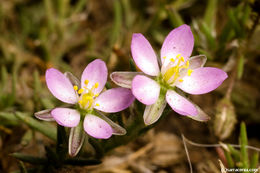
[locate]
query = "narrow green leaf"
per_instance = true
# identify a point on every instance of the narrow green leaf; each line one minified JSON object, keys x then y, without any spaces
{"x":210,"y":14}
{"x":240,"y":68}
{"x":254,"y":160}
{"x":4,"y":77}
{"x":234,"y":22}
{"x":209,"y":36}
{"x":79,"y":6}
{"x":234,"y":153}
{"x":10,"y":117}
{"x":29,"y":158}
{"x":174,"y":16}
{"x":243,"y":143}
{"x":50,"y":13}
{"x":22,"y":167}
{"x":117,"y":22}
{"x":229,"y":159}
{"x":46,"y":129}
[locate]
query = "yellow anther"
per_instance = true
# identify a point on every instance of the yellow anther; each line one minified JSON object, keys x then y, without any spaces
{"x":96,"y":95}
{"x":86,"y":82}
{"x":80,"y":91}
{"x":97,"y":104}
{"x":182,"y":59}
{"x":172,"y":60}
{"x":80,"y":102}
{"x":75,"y":87}
{"x":189,"y":72}
{"x":180,"y":80}
{"x":177,"y":56}
{"x":88,"y":98}
{"x":96,"y":85}
{"x":164,"y":57}
{"x":187,"y":63}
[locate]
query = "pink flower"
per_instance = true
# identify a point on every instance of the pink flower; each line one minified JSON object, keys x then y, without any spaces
{"x":89,"y":100}
{"x":157,"y":86}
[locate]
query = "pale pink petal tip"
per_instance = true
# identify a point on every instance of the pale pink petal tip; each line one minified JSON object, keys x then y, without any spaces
{"x":202,"y":80}
{"x":178,"y":41}
{"x":180,"y":104}
{"x":144,"y":55}
{"x":60,"y":86}
{"x":95,"y":72}
{"x":97,"y":127}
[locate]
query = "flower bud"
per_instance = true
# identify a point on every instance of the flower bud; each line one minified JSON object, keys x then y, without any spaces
{"x":225,"y":119}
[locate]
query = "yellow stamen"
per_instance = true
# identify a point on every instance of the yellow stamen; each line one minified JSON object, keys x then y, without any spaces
{"x":187,"y":63}
{"x":86,"y":82}
{"x":189,"y":72}
{"x":172,"y":60}
{"x":96,"y":85}
{"x":75,"y":87}
{"x":80,"y":102}
{"x":97,"y":104}
{"x":180,"y":80}
{"x":182,"y":59}
{"x":80,"y":91}
{"x":164,"y":57}
{"x":177,"y":56}
{"x":96,"y":95}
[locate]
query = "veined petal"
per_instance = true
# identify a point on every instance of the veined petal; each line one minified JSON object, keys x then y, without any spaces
{"x":145,"y":89}
{"x":97,"y":127}
{"x":124,"y":79}
{"x":73,"y":79}
{"x":179,"y":41}
{"x":202,"y":80}
{"x":44,"y":115}
{"x":76,"y":139}
{"x":194,"y":62}
{"x":117,"y":129}
{"x":144,"y":55}
{"x":153,"y":112}
{"x":114,"y":100}
{"x":201,"y":116}
{"x":60,"y":86}
{"x":180,"y":104}
{"x":197,"y":61}
{"x":66,"y":117}
{"x":95,"y":72}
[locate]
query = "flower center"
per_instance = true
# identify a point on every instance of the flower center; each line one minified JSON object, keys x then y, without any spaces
{"x":87,"y":96}
{"x":174,"y":68}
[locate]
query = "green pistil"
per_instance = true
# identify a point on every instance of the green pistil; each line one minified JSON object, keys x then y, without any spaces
{"x":163,"y":84}
{"x":83,"y":112}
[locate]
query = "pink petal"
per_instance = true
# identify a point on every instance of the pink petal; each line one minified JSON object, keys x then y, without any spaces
{"x":179,"y":41}
{"x":144,"y":55}
{"x":123,"y":79}
{"x":114,"y":100}
{"x":76,"y":139}
{"x":97,"y":127}
{"x":145,"y":89}
{"x":66,"y":117}
{"x":44,"y":115}
{"x":202,"y":80}
{"x":153,"y":112}
{"x":180,"y":104}
{"x":197,"y":61}
{"x":95,"y":72}
{"x":60,"y":86}
{"x":117,"y":129}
